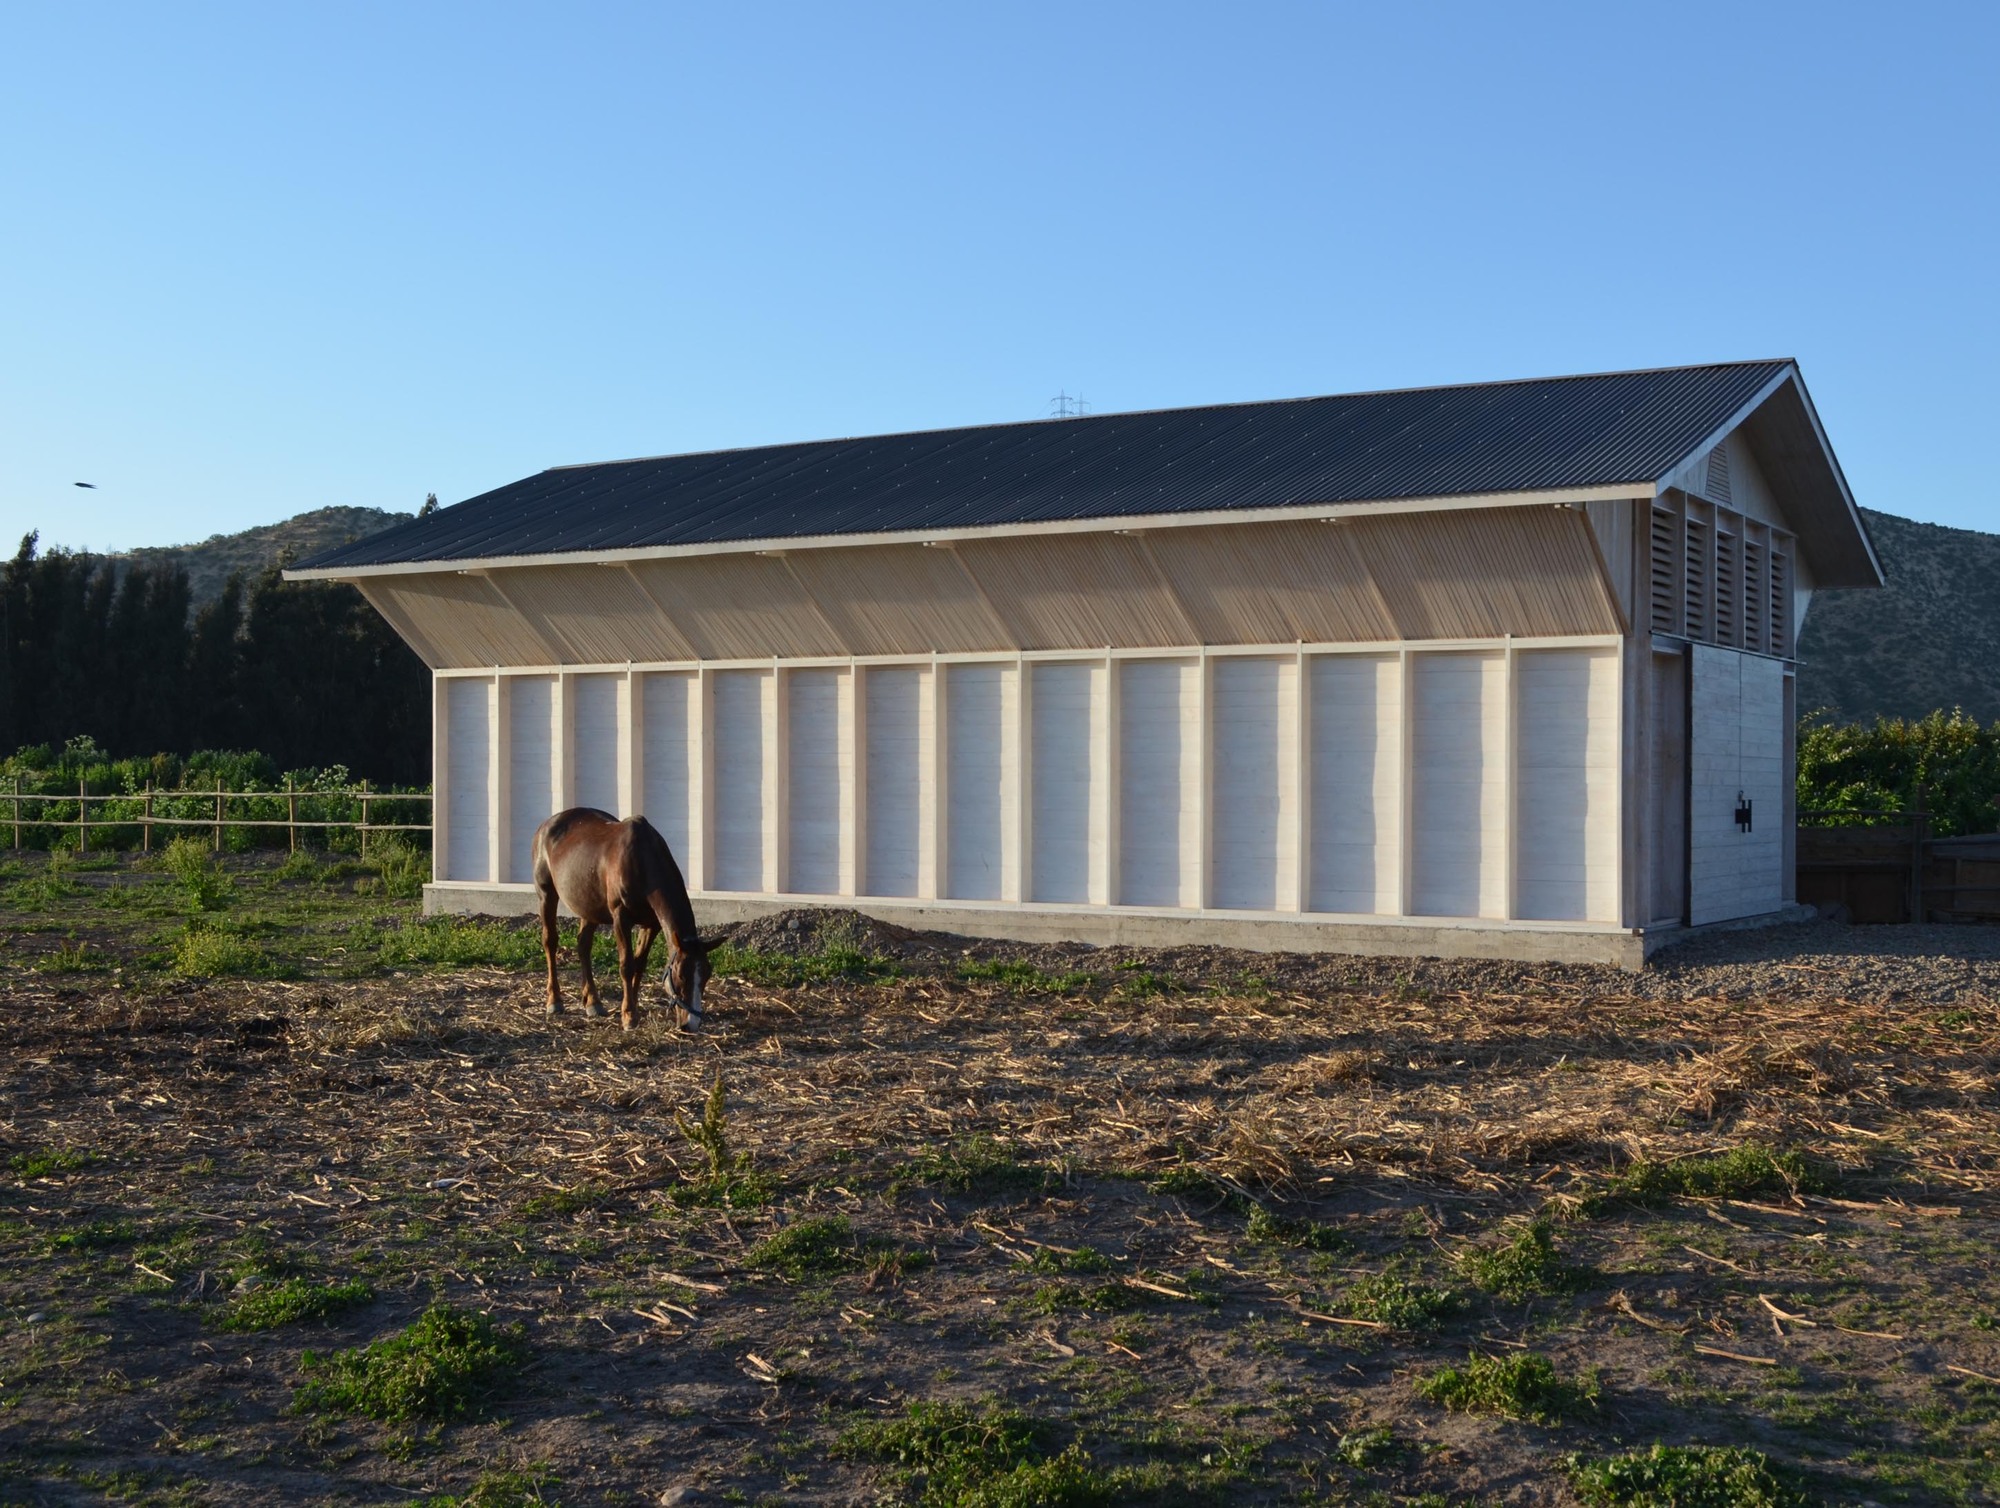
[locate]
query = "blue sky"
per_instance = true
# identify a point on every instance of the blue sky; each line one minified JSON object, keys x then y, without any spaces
{"x":265,"y":258}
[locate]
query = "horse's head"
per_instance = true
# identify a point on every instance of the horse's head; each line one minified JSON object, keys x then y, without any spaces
{"x":687,"y":972}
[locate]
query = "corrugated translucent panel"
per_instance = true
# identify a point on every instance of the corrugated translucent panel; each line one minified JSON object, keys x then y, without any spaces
{"x":738,"y":607}
{"x":597,"y":613}
{"x":468,"y":779}
{"x":976,"y":782}
{"x":668,"y":757}
{"x":742,"y":796}
{"x":1159,"y":768}
{"x":817,"y":772}
{"x":1357,"y":772}
{"x":1458,"y":785}
{"x":900,"y":599}
{"x":1272,"y":584}
{"x":531,"y":775}
{"x":899,"y":751}
{"x":1482,"y":573}
{"x":597,"y":742}
{"x":1065,"y":779}
{"x":463,"y":621}
{"x":1566,"y":785}
{"x":1076,"y":591}
{"x":1253,"y":793}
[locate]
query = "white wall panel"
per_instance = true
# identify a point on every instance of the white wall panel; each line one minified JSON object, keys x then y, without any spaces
{"x":1253,"y":793}
{"x":744,"y":806}
{"x":1356,"y":706}
{"x":817,"y":771}
{"x":596,"y":740}
{"x":978,"y":784}
{"x":468,"y":779}
{"x":531,"y":768}
{"x":1159,"y":797}
{"x":898,"y":753}
{"x":1458,"y":780}
{"x":664,"y":780}
{"x":1566,"y":785}
{"x":1065,"y":779}
{"x":1739,"y":732}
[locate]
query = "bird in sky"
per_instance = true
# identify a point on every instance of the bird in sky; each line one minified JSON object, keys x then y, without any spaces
{"x":91,"y":485}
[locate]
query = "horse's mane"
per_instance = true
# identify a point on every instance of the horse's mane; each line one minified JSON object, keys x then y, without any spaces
{"x":663,"y":878}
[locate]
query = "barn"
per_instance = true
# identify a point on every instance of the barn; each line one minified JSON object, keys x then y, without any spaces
{"x":1494,"y":670}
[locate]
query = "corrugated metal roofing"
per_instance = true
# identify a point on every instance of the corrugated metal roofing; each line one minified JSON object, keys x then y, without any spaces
{"x":1527,"y":436}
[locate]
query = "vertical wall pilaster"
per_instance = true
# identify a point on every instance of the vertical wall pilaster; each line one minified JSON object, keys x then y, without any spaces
{"x":701,"y":781}
{"x":499,"y":734}
{"x":777,"y":779}
{"x":631,"y":744}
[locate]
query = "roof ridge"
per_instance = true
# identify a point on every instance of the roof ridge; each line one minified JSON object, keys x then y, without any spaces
{"x":1192,"y":408}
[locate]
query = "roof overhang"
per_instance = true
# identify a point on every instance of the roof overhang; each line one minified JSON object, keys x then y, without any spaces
{"x":1118,"y":524}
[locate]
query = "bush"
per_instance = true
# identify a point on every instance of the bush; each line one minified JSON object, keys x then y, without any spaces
{"x":1745,"y":1172}
{"x":436,"y":1369}
{"x":1685,"y":1476}
{"x":1522,"y":1385}
{"x":808,"y":1247}
{"x":402,"y":866}
{"x":453,"y":942}
{"x":292,"y":1301}
{"x":1389,"y":1298}
{"x":1856,"y":766}
{"x":1526,"y":1268}
{"x":200,"y":877}
{"x":210,"y":953}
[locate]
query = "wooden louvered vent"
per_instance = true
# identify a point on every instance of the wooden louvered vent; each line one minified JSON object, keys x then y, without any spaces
{"x":1694,"y":579}
{"x":1781,"y":604}
{"x":1728,"y":588}
{"x":1717,"y":484}
{"x":1756,"y":598}
{"x":1666,"y":573}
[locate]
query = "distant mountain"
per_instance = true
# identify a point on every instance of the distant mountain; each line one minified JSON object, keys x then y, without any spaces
{"x":213,"y":561}
{"x":1929,"y":640}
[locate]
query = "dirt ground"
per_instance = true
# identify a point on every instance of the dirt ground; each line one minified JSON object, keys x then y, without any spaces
{"x":1211,"y":1219}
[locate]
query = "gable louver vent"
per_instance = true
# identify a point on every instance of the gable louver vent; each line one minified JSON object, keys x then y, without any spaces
{"x":1717,"y":485}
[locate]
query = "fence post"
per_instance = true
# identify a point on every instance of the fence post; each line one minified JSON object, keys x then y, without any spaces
{"x":146,"y":826}
{"x":291,"y":815}
{"x":364,"y":819}
{"x":218,"y":814}
{"x":82,"y":807}
{"x":17,"y":814}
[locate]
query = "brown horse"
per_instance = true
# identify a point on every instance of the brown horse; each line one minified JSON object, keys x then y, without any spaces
{"x":618,"y":875}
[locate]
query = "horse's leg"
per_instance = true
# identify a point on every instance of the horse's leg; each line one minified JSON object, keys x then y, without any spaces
{"x":628,"y":969}
{"x":586,"y":934}
{"x":549,"y":940}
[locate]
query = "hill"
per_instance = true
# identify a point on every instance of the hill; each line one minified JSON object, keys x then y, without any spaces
{"x":1929,"y":640}
{"x":212,"y":562}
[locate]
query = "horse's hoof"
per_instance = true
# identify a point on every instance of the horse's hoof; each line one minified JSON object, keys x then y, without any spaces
{"x":627,"y":1022}
{"x":593,"y":1009}
{"x":553,"y":1008}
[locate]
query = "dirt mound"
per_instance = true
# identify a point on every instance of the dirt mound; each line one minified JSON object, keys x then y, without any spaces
{"x":813,"y":930}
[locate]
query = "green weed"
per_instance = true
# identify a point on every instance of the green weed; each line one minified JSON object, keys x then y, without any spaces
{"x":1522,"y":1385}
{"x":47,"y":887}
{"x":209,"y":953}
{"x":972,"y":1165}
{"x":1369,"y":1447}
{"x":1020,"y":977}
{"x":203,"y":883}
{"x":1685,"y":1476}
{"x":70,"y":956}
{"x":727,"y":1180}
{"x":299,"y":866}
{"x":1191,"y":1182}
{"x":94,"y":1235}
{"x":1525,"y":1268}
{"x":835,"y":962}
{"x":436,"y":1369}
{"x":1745,"y":1172}
{"x":1082,"y":1262}
{"x":1286,"y":1230}
{"x":808,"y":1248}
{"x":402,"y":866}
{"x":498,"y":1489}
{"x":457,"y":942}
{"x":559,"y":1202}
{"x":1390,"y":1298}
{"x":48,"y":1161}
{"x":292,"y":1301}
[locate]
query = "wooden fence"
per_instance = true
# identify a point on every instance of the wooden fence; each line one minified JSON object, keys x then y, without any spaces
{"x":1885,"y":866}
{"x":143,"y":810}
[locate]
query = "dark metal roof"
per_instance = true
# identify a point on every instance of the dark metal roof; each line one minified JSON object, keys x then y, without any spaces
{"x":1530,"y":436}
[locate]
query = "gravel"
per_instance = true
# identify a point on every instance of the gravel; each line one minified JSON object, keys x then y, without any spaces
{"x":1915,"y":965}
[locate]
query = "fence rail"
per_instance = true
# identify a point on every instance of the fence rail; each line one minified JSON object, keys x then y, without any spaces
{"x":147,"y":817}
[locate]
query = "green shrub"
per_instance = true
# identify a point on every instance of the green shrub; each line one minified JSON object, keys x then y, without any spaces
{"x":93,"y":1235}
{"x":1082,"y":1262}
{"x":727,"y":1180}
{"x":497,"y":1489}
{"x":458,"y":942}
{"x":436,"y":1369}
{"x":1850,"y":767}
{"x":1021,"y":977}
{"x":953,"y":1440}
{"x":1685,"y":1476}
{"x":836,"y":961}
{"x":201,"y":878}
{"x":1521,"y":1385}
{"x":292,"y":1301}
{"x":1287,"y":1230}
{"x":49,"y":886}
{"x":48,"y":1161}
{"x":402,"y":866}
{"x":1527,"y":1267}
